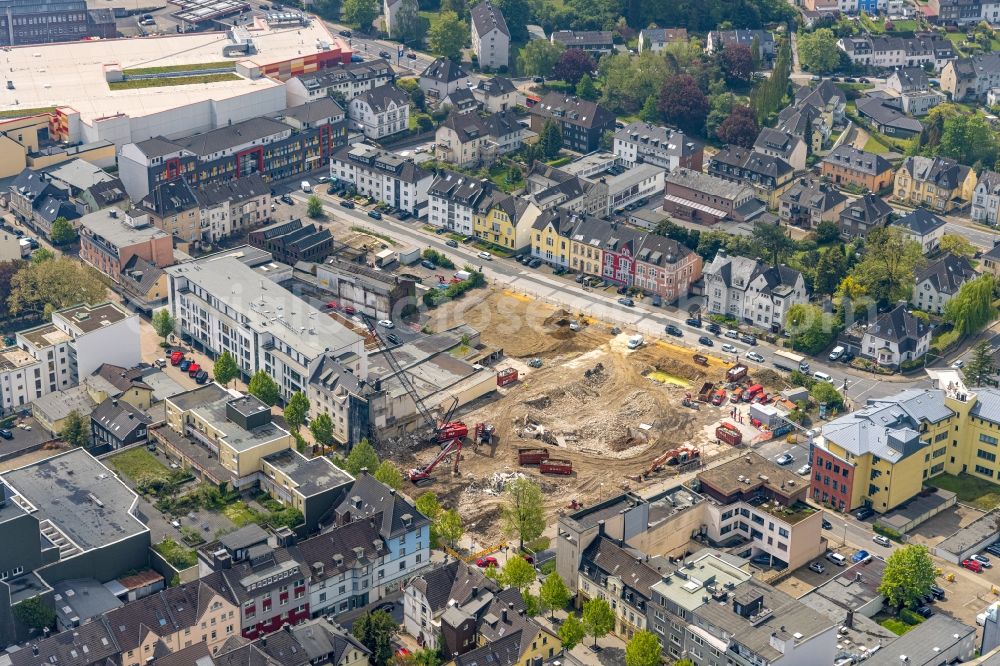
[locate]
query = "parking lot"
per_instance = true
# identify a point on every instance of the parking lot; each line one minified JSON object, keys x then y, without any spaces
{"x":22,"y":436}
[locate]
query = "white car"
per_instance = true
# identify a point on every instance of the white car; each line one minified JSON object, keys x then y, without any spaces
{"x":729,"y":349}
{"x":817,"y":567}
{"x":958,"y":365}
{"x":882,"y":540}
{"x":485,"y":255}
{"x":802,"y":471}
{"x":385,"y":323}
{"x":785,"y":459}
{"x":754,"y":356}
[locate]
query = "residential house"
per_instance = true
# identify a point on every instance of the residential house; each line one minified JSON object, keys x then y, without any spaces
{"x":293,"y":241}
{"x":462,"y":101}
{"x":505,"y":220}
{"x":918,"y":103}
{"x":827,"y":98}
{"x":640,"y":142}
{"x":752,"y":291}
{"x":504,"y":634}
{"x":390,"y":12}
{"x":582,"y":122}
{"x":970,"y":79}
{"x":110,"y":238}
{"x":233,"y":207}
{"x":862,"y":215}
{"x":115,"y":424}
{"x":453,"y":199}
{"x":896,"y":336}
{"x":769,"y":176}
{"x":389,"y":178}
{"x":986,"y":200}
{"x":496,"y":94}
{"x":551,"y":233}
{"x":610,"y":572}
{"x":782,"y":145}
{"x":957,"y":11}
{"x":548,"y":187}
{"x":430,"y":595}
{"x":665,"y":268}
{"x":809,"y":202}
{"x":143,"y":285}
{"x":346,"y":80}
{"x":884,"y":52}
{"x":441,"y":78}
{"x":381,"y":111}
{"x":991,"y":261}
{"x":907,"y":79}
{"x":124,"y":384}
{"x":89,"y":186}
{"x":657,"y":39}
{"x":887,"y":120}
{"x":938,"y":183}
{"x":923,"y":227}
{"x":18,"y":370}
{"x":807,"y":123}
{"x":490,"y":36}
{"x":469,"y":140}
{"x":172,"y":207}
{"x":352,"y":403}
{"x":846,"y":165}
{"x":36,"y":201}
{"x":936,"y":283}
{"x":705,"y":199}
{"x":720,"y":39}
{"x":597,"y":42}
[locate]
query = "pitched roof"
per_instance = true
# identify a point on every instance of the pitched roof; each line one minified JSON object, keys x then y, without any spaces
{"x":847,"y":156}
{"x":317,"y":111}
{"x":920,"y":222}
{"x":899,"y":326}
{"x":90,"y":643}
{"x":882,"y":114}
{"x":234,"y":190}
{"x":740,"y":272}
{"x":496,"y":86}
{"x":453,"y":582}
{"x":989,"y":181}
{"x":353,"y":71}
{"x":369,"y":497}
{"x":214,"y":141}
{"x":356,"y":541}
{"x":444,"y":70}
{"x":486,"y":17}
{"x":169,"y":198}
{"x":776,"y":140}
{"x":939,"y":171}
{"x":911,"y":78}
{"x":119,"y":417}
{"x":571,"y":38}
{"x":665,"y":34}
{"x":872,"y":208}
{"x":573,"y":110}
{"x":947,"y":274}
{"x":814,"y":195}
{"x":753,"y":162}
{"x":617,"y":561}
{"x":379,"y":99}
{"x":139,"y":275}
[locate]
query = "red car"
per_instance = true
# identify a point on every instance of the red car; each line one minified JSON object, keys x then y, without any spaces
{"x":486,"y":562}
{"x":972,"y":565}
{"x":193,"y":369}
{"x":348,"y":309}
{"x":332,"y":305}
{"x":176,"y":358}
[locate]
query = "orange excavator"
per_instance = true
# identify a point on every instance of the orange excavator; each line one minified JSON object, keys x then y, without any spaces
{"x":422,"y":475}
{"x":678,"y":456}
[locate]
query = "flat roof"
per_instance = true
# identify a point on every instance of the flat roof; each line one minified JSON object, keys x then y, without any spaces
{"x":109,"y":223}
{"x":688,"y":590}
{"x":71,"y":74}
{"x":87,"y":318}
{"x":310,"y":475}
{"x":985,"y":527}
{"x":728,"y":477}
{"x":12,"y":358}
{"x":854,"y":586}
{"x":46,"y":335}
{"x":79,"y":497}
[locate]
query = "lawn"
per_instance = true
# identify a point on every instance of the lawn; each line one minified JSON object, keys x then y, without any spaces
{"x":905,"y":26}
{"x":970,"y":490}
{"x":138,"y":464}
{"x":169,"y":69}
{"x":896,"y":626}
{"x":241,"y":514}
{"x":873,"y":145}
{"x":20,"y":113}
{"x":175,"y":81}
{"x":178,"y":556}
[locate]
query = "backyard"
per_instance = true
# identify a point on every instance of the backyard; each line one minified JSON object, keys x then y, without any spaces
{"x":970,"y":490}
{"x":139,"y":465}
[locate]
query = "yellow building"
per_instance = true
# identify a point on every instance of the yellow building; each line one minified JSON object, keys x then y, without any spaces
{"x":22,"y":138}
{"x":881,"y":455}
{"x":507,"y":636}
{"x":550,"y":236}
{"x":937,"y":183}
{"x":505,"y":220}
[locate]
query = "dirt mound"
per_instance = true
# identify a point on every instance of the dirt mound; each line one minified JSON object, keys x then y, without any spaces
{"x":538,"y":402}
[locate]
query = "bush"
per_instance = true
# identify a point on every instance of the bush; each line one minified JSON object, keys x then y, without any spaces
{"x":177,"y":555}
{"x":913,"y":364}
{"x":435,"y":296}
{"x":438,"y":259}
{"x":888,"y":532}
{"x":909,"y":617}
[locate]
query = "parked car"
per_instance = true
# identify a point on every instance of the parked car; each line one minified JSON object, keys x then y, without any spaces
{"x":485,"y":562}
{"x":673,"y":330}
{"x":754,"y":356}
{"x":411,"y":55}
{"x":827,"y":525}
{"x":385,"y":323}
{"x":535,"y":263}
{"x":714,"y":328}
{"x":201,"y":377}
{"x":925,"y":612}
{"x":882,"y":540}
{"x":817,"y":567}
{"x":729,"y":349}
{"x":748,"y":339}
{"x":384,"y":54}
{"x":993,"y":549}
{"x":864,"y":513}
{"x":429,"y":265}
{"x":957,"y":365}
{"x":937,"y":592}
{"x":785,"y":459}
{"x":160,"y":362}
{"x":185,"y":364}
{"x":706,"y":341}
{"x":287,"y":199}
{"x":860,"y":556}
{"x":347,"y":204}
{"x":694,"y":321}
{"x":6,"y":434}
{"x":393,"y":338}
{"x":732,"y":334}
{"x":982,"y":559}
{"x":451,"y":242}
{"x":802,"y":471}
{"x":628,"y":302}
{"x":973,"y":565}
{"x":345,"y":33}
{"x":485,"y":255}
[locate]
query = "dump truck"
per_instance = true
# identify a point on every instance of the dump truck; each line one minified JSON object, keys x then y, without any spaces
{"x":728,"y":433}
{"x":736,"y":373}
{"x":719,"y":397}
{"x":556,"y":466}
{"x":705,"y":394}
{"x":700,"y":359}
{"x":532,"y":456}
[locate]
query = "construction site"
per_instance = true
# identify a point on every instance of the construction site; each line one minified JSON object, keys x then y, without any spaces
{"x":583,"y":408}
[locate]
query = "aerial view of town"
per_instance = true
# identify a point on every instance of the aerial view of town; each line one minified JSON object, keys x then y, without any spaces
{"x":499,"y":332}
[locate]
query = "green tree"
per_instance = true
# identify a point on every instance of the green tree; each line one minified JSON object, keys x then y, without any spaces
{"x":554,"y":593}
{"x":361,"y":13}
{"x":551,"y":139}
{"x":809,"y":328}
{"x":522,"y":511}
{"x":585,"y":89}
{"x":517,"y":16}
{"x":598,"y":618}
{"x":321,"y":428}
{"x":627,"y":81}
{"x":571,"y":632}
{"x":449,"y":526}
{"x":979,"y":365}
{"x":447,"y":35}
{"x":35,"y":614}
{"x":62,"y":232}
{"x":957,"y":245}
{"x":969,"y":139}
{"x":264,"y":388}
{"x":825,"y":392}
{"x":296,"y":410}
{"x":409,"y":26}
{"x":42,"y":254}
{"x":362,"y":456}
{"x":428,"y":505}
{"x":389,"y":474}
{"x":831,"y":269}
{"x":643,"y":649}
{"x":76,"y":429}
{"x":772,"y":241}
{"x":225,"y":369}
{"x":517,"y":573}
{"x":314,"y":207}
{"x":649,"y":112}
{"x":818,"y":51}
{"x":908,"y":576}
{"x":972,"y":307}
{"x":683,"y":662}
{"x":164,"y":323}
{"x":375,"y":631}
{"x":886,"y":271}
{"x":538,"y":57}
{"x":827,"y":231}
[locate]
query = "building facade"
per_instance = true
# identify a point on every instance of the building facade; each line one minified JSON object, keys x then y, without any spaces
{"x":752,"y":291}
{"x":381,"y":111}
{"x":490,"y":36}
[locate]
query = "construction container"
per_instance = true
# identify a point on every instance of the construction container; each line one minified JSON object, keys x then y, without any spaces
{"x":736,"y":373}
{"x":532,"y":456}
{"x":705,"y":394}
{"x":728,"y":433}
{"x":506,"y":376}
{"x":700,"y":360}
{"x":555,"y":466}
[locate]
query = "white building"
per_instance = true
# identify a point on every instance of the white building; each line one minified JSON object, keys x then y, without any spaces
{"x":20,"y":379}
{"x":490,"y":36}
{"x":233,"y":206}
{"x":381,"y":111}
{"x":895,"y":337}
{"x":752,"y":291}
{"x":349,"y":80}
{"x":986,"y":202}
{"x":657,"y":39}
{"x":222,"y":304}
{"x":923,"y":227}
{"x":443,"y":77}
{"x":658,"y":145}
{"x":936,"y":283}
{"x":10,"y":247}
{"x":390,"y":10}
{"x":385,"y":176}
{"x":453,"y":201}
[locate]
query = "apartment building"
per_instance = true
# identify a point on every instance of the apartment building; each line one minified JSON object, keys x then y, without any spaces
{"x":770,"y":177}
{"x":937,"y":283}
{"x":497,"y":93}
{"x":222,"y":304}
{"x":109,"y":238}
{"x":389,"y":178}
{"x":23,"y":22}
{"x":453,"y":200}
{"x":783,"y":146}
{"x":233,"y":207}
{"x":895,"y":337}
{"x":391,"y":9}
{"x":20,"y":379}
{"x":37,"y":201}
{"x":720,"y":39}
{"x":665,"y":268}
{"x":657,"y":145}
{"x":972,"y":78}
{"x":846,"y":165}
{"x":938,"y":183}
{"x":276,"y":148}
{"x":986,"y":198}
{"x":809,"y":202}
{"x":548,"y":187}
{"x":490,"y":36}
{"x":862,"y":215}
{"x":428,"y":596}
{"x":608,"y":571}
{"x":354,"y":405}
{"x":597,"y":42}
{"x":752,"y":291}
{"x":468,"y":140}
{"x":172,"y":207}
{"x":381,"y":111}
{"x":505,"y":220}
{"x":961,"y":12}
{"x":582,"y":123}
{"x":923,"y":228}
{"x":347,"y":80}
{"x":890,"y":52}
{"x":657,"y":39}
{"x":705,"y":199}
{"x":442,"y":78}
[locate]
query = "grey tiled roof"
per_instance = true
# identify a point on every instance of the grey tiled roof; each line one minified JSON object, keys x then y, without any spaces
{"x":486,"y":17}
{"x":121,"y":418}
{"x":379,"y":98}
{"x":847,"y":156}
{"x":920,"y":222}
{"x":444,"y":70}
{"x":377,"y":498}
{"x":939,"y":171}
{"x":947,"y":274}
{"x":881,"y":113}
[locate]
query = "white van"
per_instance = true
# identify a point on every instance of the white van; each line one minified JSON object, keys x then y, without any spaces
{"x":635,"y":342}
{"x":837,"y":559}
{"x":837,"y":352}
{"x":823,"y":377}
{"x":306,"y":187}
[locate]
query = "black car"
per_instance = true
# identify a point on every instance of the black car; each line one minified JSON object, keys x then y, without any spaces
{"x":538,"y":79}
{"x":411,"y":55}
{"x":387,"y":607}
{"x":345,"y":33}
{"x":674,"y":331}
{"x":287,"y":199}
{"x":706,"y":341}
{"x":693,"y":321}
{"x":846,"y":357}
{"x":714,"y":328}
{"x":6,"y":434}
{"x":748,"y":339}
{"x":628,"y":302}
{"x":937,"y":592}
{"x":925,"y":612}
{"x":827,"y":525}
{"x":451,"y":242}
{"x":864,"y":513}
{"x":201,"y":377}
{"x":384,"y":54}
{"x":535,"y":263}
{"x":403,"y":215}
{"x":392,"y":338}
{"x":375,"y":215}
{"x":440,"y":230}
{"x":347,"y":204}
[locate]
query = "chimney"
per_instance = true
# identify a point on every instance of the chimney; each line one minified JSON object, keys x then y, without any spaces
{"x":849,"y":620}
{"x":263,"y":642}
{"x":34,"y":650}
{"x":600,"y":528}
{"x":475,"y":592}
{"x":503,"y":616}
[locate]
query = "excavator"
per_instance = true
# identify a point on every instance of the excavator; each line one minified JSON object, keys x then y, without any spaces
{"x":678,"y":456}
{"x":422,"y":475}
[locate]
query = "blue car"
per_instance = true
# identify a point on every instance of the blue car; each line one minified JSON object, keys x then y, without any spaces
{"x":185,"y":364}
{"x":860,"y":556}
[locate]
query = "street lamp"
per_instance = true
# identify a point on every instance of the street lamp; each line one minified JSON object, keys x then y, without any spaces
{"x":845,"y":534}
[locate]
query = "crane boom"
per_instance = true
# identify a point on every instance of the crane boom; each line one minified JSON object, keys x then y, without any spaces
{"x":420,"y":474}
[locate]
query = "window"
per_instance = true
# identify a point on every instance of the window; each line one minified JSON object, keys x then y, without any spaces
{"x":986,"y":455}
{"x":986,"y":439}
{"x":985,"y":471}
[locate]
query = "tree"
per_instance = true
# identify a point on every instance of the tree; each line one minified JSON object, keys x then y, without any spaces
{"x":554,"y":593}
{"x":683,"y":104}
{"x":517,"y":573}
{"x":296,"y":410}
{"x":321,"y":428}
{"x":827,"y":231}
{"x":969,"y":139}
{"x":585,"y":89}
{"x":41,"y":288}
{"x":522,"y":511}
{"x":428,"y":505}
{"x":818,"y":51}
{"x":517,"y":16}
{"x":76,"y":429}
{"x":809,"y":328}
{"x":35,"y":614}
{"x":830,"y":269}
{"x":957,"y":245}
{"x":264,"y":388}
{"x":643,"y":649}
{"x":551,"y":139}
{"x":627,"y":81}
{"x":8,"y":269}
{"x":62,"y":232}
{"x":825,"y":392}
{"x":571,"y":632}
{"x":538,"y":57}
{"x":887,"y":268}
{"x":225,"y":369}
{"x":42,"y":254}
{"x":362,"y":456}
{"x":737,"y":63}
{"x":164,"y":323}
{"x":739,"y":128}
{"x":361,"y":13}
{"x":449,"y":526}
{"x":314,"y":206}
{"x":572,"y":65}
{"x":772,"y":241}
{"x":908,"y":576}
{"x":447,"y":35}
{"x":979,"y":365}
{"x":408,"y":26}
{"x":683,"y":662}
{"x":389,"y":474}
{"x":972,"y":307}
{"x":598,"y":618}
{"x":649,"y":112}
{"x":375,"y":631}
